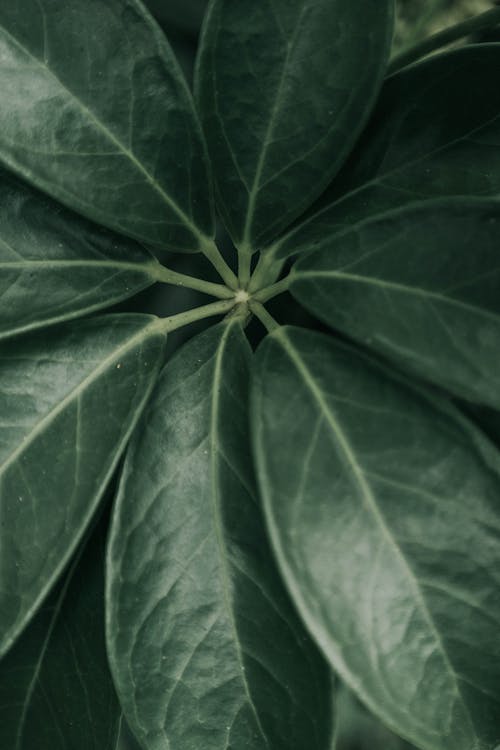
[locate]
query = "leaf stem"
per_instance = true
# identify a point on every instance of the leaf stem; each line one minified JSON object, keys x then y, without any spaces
{"x":167,"y":276}
{"x":172,"y":323}
{"x":265,"y":318}
{"x":244,"y":267}
{"x":266,"y":272}
{"x":443,"y":38}
{"x":273,"y":290}
{"x":211,"y":251}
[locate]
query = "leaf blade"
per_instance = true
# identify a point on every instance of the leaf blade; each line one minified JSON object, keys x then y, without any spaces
{"x":55,"y":392}
{"x":420,"y":287}
{"x":44,"y":705}
{"x":432,"y":135}
{"x":102,"y":150}
{"x":373,"y":580}
{"x":207,"y":574}
{"x":273,"y":157}
{"x":54,"y":266}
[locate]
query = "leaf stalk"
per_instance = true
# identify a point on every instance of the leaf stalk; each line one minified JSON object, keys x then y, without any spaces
{"x":173,"y":322}
{"x":244,"y":267}
{"x":260,"y":312}
{"x":266,"y":272}
{"x":167,"y":276}
{"x":269,"y":292}
{"x":212,"y":253}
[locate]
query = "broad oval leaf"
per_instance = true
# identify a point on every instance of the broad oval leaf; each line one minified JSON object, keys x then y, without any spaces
{"x":55,"y":265}
{"x":205,"y":648}
{"x":56,"y":692}
{"x":422,"y":287}
{"x":97,"y":113}
{"x":435,"y":133}
{"x":68,"y":403}
{"x":383,"y":509}
{"x":284,"y":89}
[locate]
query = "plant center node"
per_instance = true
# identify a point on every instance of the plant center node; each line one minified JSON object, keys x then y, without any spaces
{"x":242,"y":296}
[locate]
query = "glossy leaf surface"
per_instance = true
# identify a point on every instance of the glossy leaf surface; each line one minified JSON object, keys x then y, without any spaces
{"x":283,"y":90}
{"x":56,"y":691}
{"x":68,"y":402}
{"x":55,"y":265}
{"x":383,"y":509}
{"x":435,"y":133}
{"x":205,"y":648}
{"x":420,"y":286}
{"x":100,"y":117}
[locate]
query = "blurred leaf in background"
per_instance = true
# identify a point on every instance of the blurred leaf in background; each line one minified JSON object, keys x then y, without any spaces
{"x":418,"y":19}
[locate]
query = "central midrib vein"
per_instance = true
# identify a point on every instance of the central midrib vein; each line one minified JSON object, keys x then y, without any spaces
{"x":370,"y":502}
{"x":218,"y":525}
{"x":174,"y":207}
{"x":270,"y":129}
{"x":397,"y":287}
{"x":49,"y":417}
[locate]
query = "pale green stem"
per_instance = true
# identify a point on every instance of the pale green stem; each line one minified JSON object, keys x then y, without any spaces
{"x":240,"y":311}
{"x":167,"y":276}
{"x":443,"y":38}
{"x":244,"y":267}
{"x":211,"y":251}
{"x":266,"y":272}
{"x":273,"y":290}
{"x":172,"y":323}
{"x":265,"y":318}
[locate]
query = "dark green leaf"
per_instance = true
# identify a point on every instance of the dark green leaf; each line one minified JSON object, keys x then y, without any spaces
{"x":418,"y":19}
{"x":383,"y":509}
{"x":284,"y":88}
{"x":55,"y":265}
{"x":56,"y":691}
{"x":126,"y":740}
{"x":183,"y":15}
{"x":205,"y":648}
{"x":358,"y":729}
{"x":97,"y":114}
{"x":68,"y":403}
{"x":420,"y":286}
{"x":435,"y":133}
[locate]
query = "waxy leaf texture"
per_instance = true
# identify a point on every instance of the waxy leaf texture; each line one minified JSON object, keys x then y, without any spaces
{"x":99,"y":116}
{"x":283,"y":89}
{"x":383,"y":509}
{"x":68,"y":403}
{"x":54,"y":265}
{"x":205,"y":647}
{"x":56,"y":690}
{"x":420,"y":286}
{"x":435,"y":133}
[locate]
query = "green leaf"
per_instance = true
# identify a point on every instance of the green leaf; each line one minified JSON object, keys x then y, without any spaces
{"x":284,"y":89}
{"x":418,"y":19}
{"x":419,"y":286}
{"x":56,"y":691}
{"x":205,"y":648}
{"x":99,"y":115}
{"x":358,"y":729}
{"x":55,"y":265}
{"x":435,"y":133}
{"x":382,"y":506}
{"x":68,"y":403}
